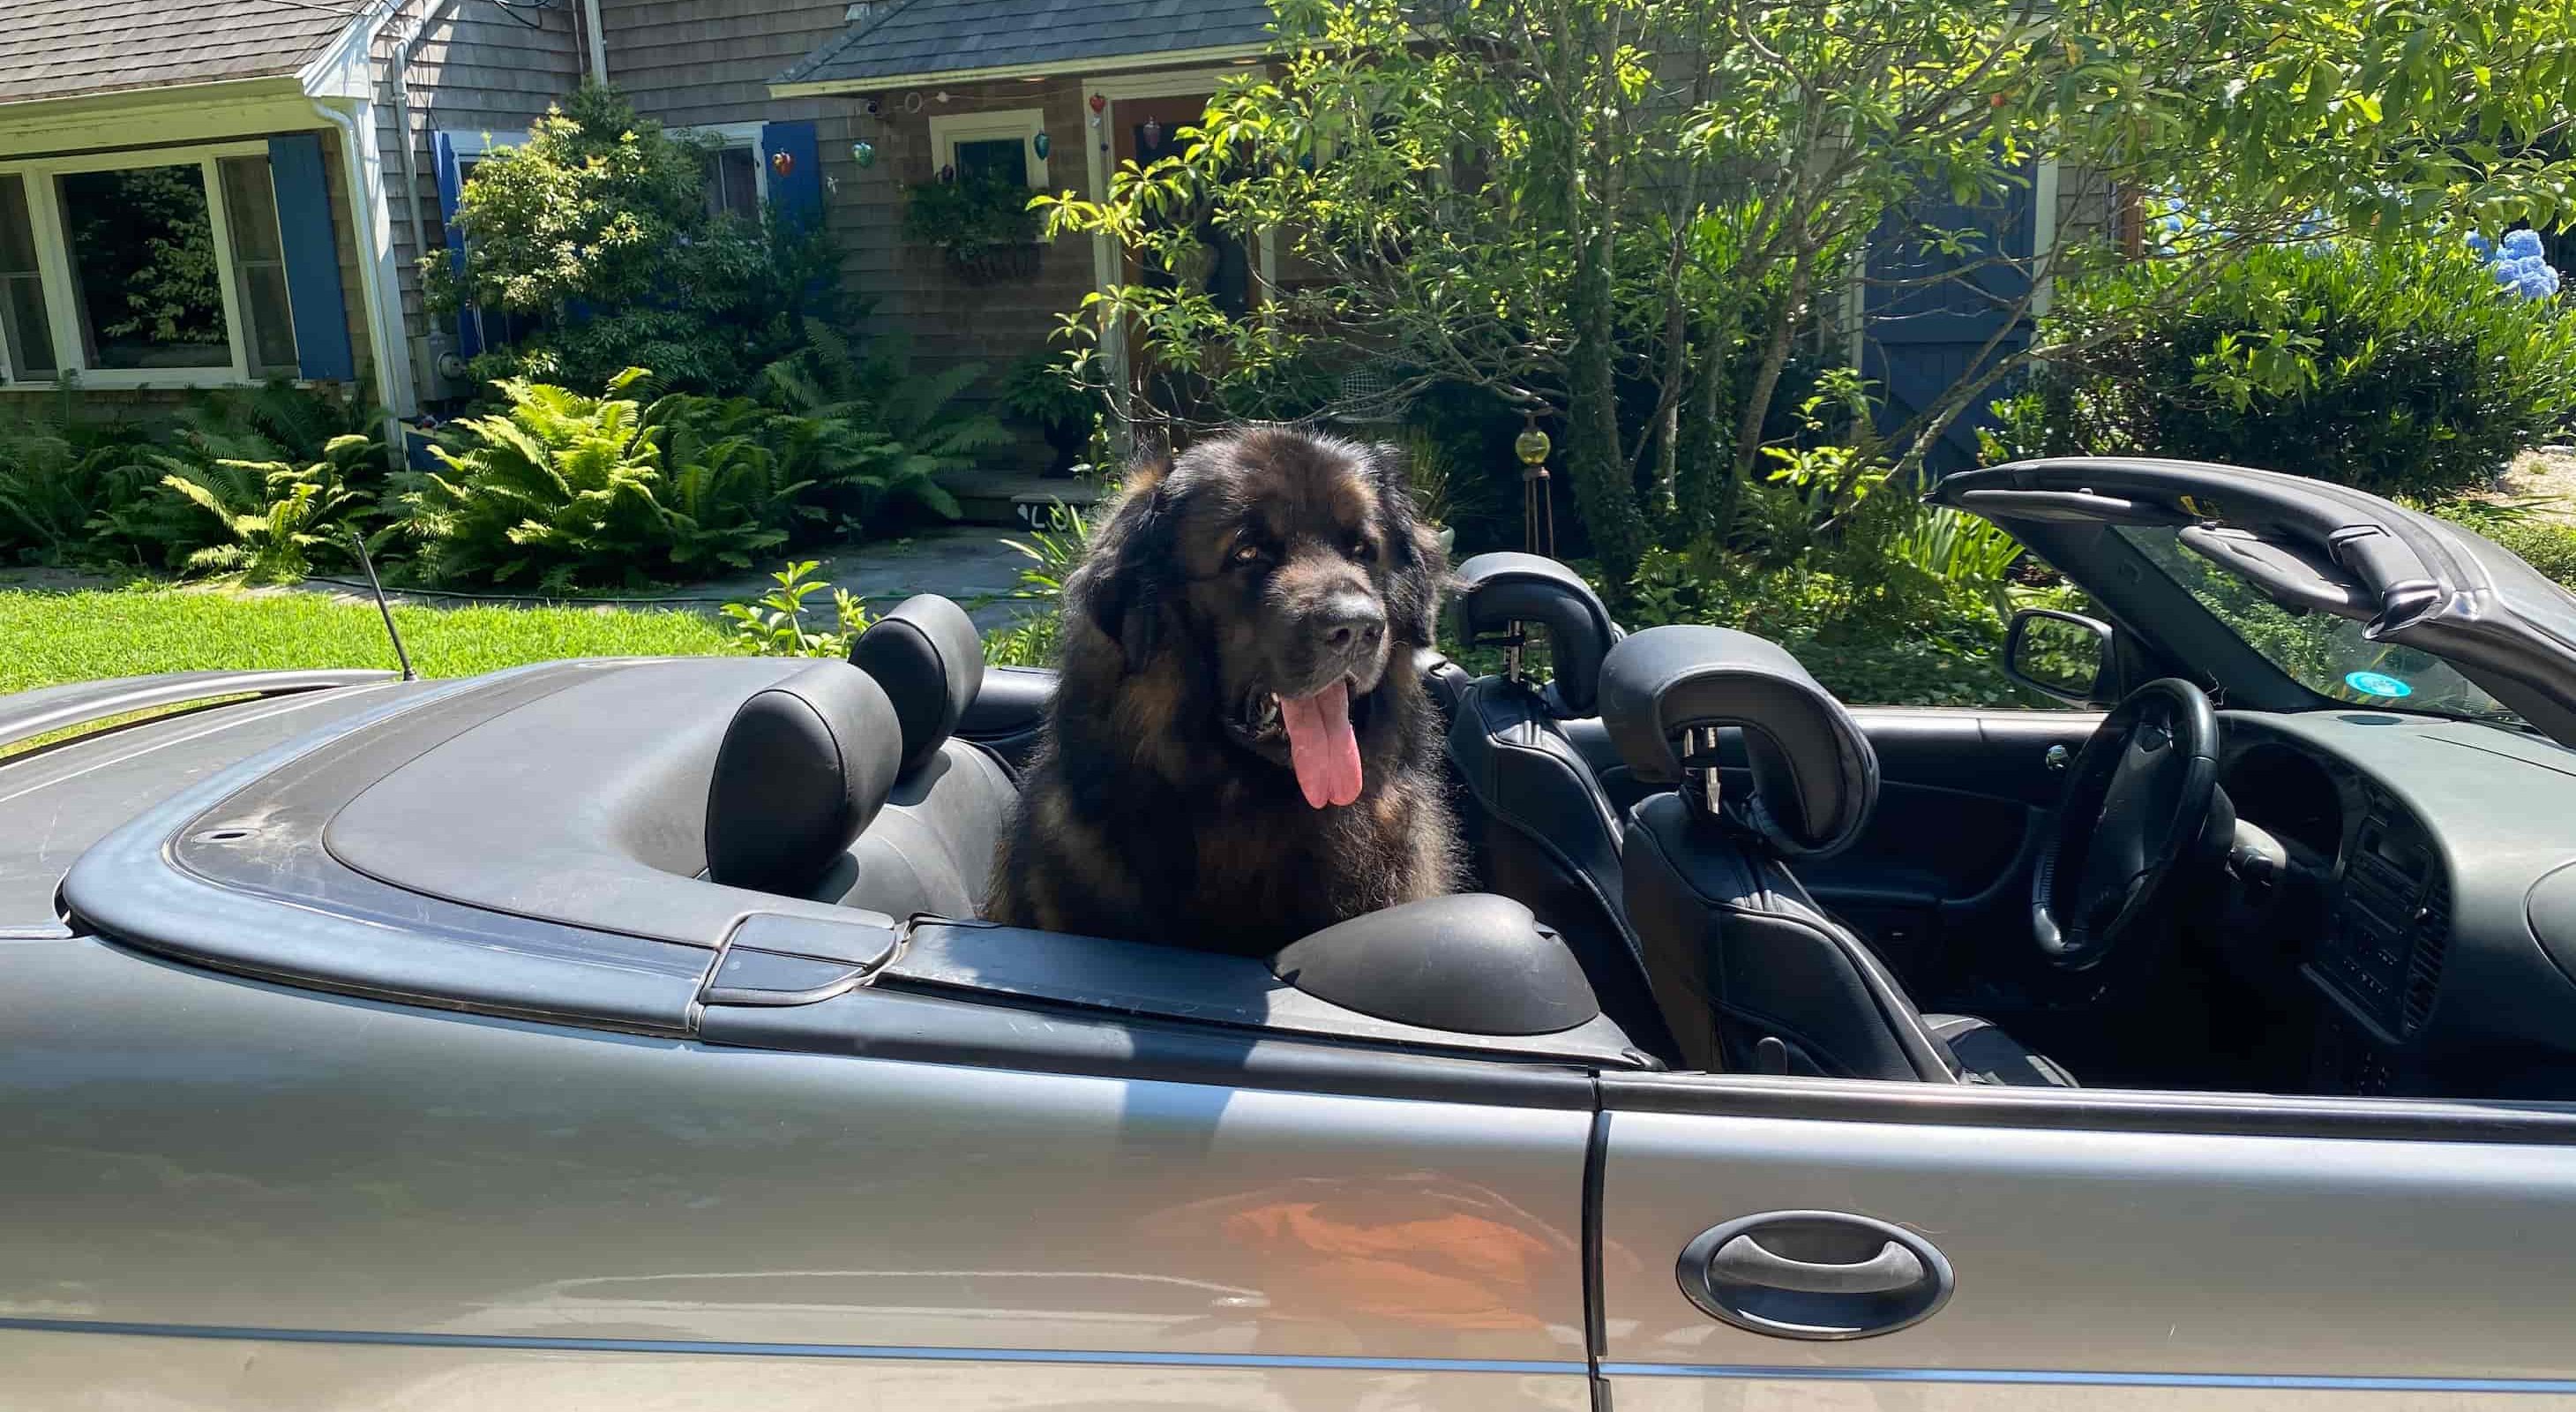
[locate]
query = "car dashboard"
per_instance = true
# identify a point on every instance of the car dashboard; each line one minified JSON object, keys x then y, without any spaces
{"x":2399,"y":878}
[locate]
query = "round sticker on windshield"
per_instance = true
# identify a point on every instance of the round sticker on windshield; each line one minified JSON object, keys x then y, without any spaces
{"x":2377,"y":684}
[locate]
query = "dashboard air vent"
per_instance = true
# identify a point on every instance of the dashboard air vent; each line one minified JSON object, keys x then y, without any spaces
{"x":2431,"y":934}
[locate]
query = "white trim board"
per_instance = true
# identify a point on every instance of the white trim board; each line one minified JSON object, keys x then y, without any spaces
{"x":1001,"y":124}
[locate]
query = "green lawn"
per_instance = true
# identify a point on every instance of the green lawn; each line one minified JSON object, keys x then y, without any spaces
{"x":48,"y":638}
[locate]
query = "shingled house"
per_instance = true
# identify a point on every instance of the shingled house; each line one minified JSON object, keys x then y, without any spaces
{"x":312,"y":150}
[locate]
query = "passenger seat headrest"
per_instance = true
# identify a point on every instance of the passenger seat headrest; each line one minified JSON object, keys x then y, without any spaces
{"x":930,"y":660}
{"x":804,"y":766}
{"x":1497,"y":590}
{"x":1815,"y":778}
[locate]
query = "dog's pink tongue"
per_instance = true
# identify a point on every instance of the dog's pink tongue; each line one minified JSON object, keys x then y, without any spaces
{"x":1320,"y":744}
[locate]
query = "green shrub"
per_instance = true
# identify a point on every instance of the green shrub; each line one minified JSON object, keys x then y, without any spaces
{"x":886,"y":435}
{"x":570,"y":491}
{"x":55,"y":490}
{"x":1031,"y":639}
{"x":273,"y":516}
{"x":591,"y":249}
{"x":774,"y":624}
{"x":1886,"y":600}
{"x":2398,"y":369}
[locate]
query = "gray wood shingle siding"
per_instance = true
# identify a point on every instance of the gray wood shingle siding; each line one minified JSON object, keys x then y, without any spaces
{"x":473,"y":71}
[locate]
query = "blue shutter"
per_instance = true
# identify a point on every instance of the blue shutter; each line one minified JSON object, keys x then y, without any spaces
{"x":1927,"y":312}
{"x":312,"y":258}
{"x":798,"y":191}
{"x":451,"y":189}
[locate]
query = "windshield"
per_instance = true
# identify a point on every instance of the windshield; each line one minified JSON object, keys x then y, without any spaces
{"x":2326,"y":654}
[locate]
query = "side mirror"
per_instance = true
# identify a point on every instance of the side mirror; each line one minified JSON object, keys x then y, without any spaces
{"x":2062,"y":655}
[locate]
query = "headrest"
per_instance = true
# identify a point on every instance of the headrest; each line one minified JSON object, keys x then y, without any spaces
{"x":1815,"y":778}
{"x":1497,"y":590}
{"x":930,"y":660}
{"x":804,"y":766}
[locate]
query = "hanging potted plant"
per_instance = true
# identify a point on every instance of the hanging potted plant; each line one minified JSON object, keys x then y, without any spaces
{"x":982,"y":224}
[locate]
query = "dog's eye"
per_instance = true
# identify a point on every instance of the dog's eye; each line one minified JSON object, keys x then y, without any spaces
{"x":1247,"y":552}
{"x":1363,"y":551}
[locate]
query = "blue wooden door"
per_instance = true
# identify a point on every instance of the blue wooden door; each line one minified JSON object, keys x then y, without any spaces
{"x":1929,"y":309}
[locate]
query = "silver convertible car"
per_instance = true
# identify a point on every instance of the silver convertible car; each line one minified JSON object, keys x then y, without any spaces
{"x":621,"y":1034}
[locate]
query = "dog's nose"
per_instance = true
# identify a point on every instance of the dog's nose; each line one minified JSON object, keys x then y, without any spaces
{"x":1349,"y":621}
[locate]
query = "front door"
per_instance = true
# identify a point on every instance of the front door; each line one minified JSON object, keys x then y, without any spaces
{"x":1776,"y":1243}
{"x":1147,"y":131}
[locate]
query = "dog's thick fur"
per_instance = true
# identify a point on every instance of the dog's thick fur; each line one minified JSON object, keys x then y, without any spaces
{"x":1143,"y":814}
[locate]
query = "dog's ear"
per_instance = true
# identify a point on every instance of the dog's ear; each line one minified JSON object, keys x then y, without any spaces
{"x":1128,"y":567}
{"x":1421,"y":570}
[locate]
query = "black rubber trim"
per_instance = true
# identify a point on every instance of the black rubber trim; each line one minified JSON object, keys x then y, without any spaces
{"x":878,"y":1023}
{"x":2094,"y":1110}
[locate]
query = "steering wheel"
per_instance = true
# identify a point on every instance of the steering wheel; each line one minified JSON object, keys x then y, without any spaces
{"x":2141,"y":797}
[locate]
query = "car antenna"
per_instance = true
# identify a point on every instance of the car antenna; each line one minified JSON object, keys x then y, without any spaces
{"x":359,"y":542}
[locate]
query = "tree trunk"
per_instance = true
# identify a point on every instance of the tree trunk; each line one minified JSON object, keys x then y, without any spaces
{"x":1605,"y":489}
{"x":1775,"y":355}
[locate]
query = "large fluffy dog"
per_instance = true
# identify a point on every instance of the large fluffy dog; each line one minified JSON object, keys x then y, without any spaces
{"x":1240,"y":750}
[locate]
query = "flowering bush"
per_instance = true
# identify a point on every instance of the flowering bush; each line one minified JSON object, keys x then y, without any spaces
{"x":2519,"y":264}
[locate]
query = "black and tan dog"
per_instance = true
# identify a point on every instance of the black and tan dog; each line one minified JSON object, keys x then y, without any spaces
{"x":1240,"y":750}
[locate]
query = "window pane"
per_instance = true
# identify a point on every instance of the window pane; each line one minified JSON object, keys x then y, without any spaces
{"x":143,"y":260}
{"x":23,"y":324}
{"x":259,"y":264}
{"x":993,"y":159}
{"x":733,"y":182}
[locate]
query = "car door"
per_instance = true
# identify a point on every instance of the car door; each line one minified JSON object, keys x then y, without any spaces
{"x":1940,"y":879}
{"x":1828,"y":1245}
{"x":221,"y":1193}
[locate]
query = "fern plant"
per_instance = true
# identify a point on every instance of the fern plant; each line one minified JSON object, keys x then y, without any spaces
{"x":884,"y":438}
{"x":273,"y":514}
{"x":556,"y":487}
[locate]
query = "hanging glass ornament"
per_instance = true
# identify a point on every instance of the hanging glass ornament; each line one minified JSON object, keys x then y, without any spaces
{"x":1040,"y":145}
{"x":863,"y":153}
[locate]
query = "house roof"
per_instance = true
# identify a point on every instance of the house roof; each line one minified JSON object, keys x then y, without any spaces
{"x":72,"y":48}
{"x":912,"y":40}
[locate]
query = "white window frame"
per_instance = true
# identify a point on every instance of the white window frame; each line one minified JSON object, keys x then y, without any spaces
{"x":54,"y":264}
{"x":725,"y":136}
{"x":949,"y":129}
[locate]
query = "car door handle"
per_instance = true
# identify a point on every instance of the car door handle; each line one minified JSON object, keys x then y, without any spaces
{"x":1814,"y":1275}
{"x":1743,"y":1261}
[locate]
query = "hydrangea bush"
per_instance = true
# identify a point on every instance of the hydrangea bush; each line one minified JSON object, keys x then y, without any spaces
{"x":2519,"y":264}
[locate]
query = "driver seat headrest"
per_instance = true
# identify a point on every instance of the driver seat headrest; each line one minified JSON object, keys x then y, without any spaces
{"x":1498,"y":590}
{"x":804,"y":767}
{"x":1815,"y":778}
{"x":930,"y":660}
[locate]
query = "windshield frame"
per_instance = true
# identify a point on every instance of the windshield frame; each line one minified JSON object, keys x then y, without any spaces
{"x":2432,"y":684}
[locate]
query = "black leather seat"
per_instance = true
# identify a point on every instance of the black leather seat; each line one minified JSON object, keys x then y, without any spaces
{"x":842,"y":784}
{"x":1749,"y":973}
{"x":1537,"y":823}
{"x":931,"y":850}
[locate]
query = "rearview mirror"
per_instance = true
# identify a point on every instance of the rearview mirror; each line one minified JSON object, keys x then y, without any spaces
{"x":2061,"y":655}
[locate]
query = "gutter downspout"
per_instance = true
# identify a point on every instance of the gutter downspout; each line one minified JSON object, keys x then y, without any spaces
{"x":402,"y":122}
{"x":598,"y":42}
{"x":363,"y":166}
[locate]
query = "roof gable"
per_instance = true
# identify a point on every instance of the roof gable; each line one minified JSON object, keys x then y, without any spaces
{"x":922,"y":39}
{"x":72,"y":48}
